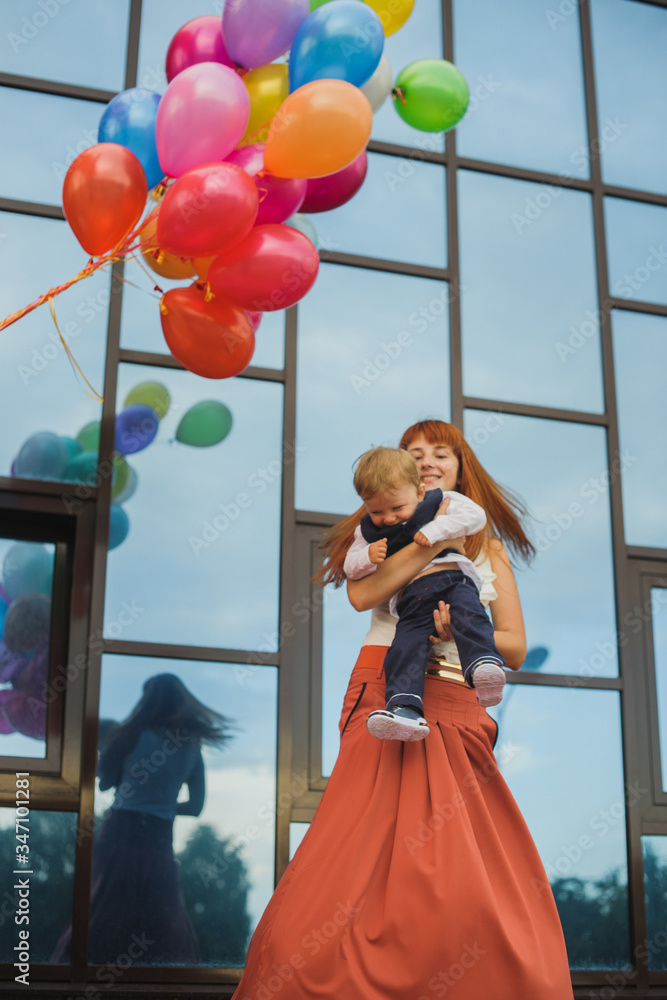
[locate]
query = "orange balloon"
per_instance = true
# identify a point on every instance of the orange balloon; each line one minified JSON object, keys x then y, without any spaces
{"x":320,"y":129}
{"x":208,"y":335}
{"x":201,"y":266}
{"x":104,"y":195}
{"x":167,"y":265}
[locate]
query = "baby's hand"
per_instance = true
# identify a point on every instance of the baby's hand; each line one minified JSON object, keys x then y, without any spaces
{"x":421,"y":539}
{"x":377,"y":551}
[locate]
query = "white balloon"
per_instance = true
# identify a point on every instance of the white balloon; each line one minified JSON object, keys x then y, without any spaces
{"x":305,"y":226}
{"x":378,"y":88}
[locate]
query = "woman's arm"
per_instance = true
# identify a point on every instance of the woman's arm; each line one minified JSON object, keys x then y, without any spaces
{"x":196,"y":788}
{"x":509,"y":632}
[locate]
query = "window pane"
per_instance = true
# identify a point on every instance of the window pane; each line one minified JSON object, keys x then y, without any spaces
{"x":567,"y":595}
{"x":659,"y":621}
{"x":655,"y":888}
{"x":528,"y":280}
{"x":640,"y":359}
{"x":373,"y":358}
{"x":74,"y":43}
{"x":215,"y":894}
{"x":201,"y":521}
{"x":631,"y":77}
{"x":38,"y":388}
{"x":636,"y":251}
{"x":60,"y":129}
{"x":571,"y":793}
{"x":26,"y":584}
{"x":526,"y":86}
{"x":51,"y":839}
{"x":297,"y":831}
{"x":399,"y":214}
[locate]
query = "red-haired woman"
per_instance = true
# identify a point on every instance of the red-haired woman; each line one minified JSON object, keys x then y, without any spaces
{"x":418,"y":872}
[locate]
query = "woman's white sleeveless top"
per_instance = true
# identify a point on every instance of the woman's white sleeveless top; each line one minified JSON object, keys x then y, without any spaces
{"x":383,"y":624}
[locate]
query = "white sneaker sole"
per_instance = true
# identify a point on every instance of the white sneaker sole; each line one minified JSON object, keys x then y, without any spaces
{"x":384,"y":725}
{"x":489,"y":681}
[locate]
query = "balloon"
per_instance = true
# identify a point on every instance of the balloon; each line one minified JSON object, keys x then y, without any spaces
{"x":73,"y":447}
{"x":28,"y":622}
{"x":319,"y":129}
{"x":3,"y":612}
{"x":201,"y":266}
{"x":104,"y":194}
{"x":26,"y":567}
{"x":167,"y":265}
{"x":279,"y":197}
{"x":255,"y":319}
{"x":121,"y":475}
{"x":25,"y":714}
{"x":136,"y":427}
{"x":202,"y":116}
{"x":325,"y":193}
{"x":392,"y":13}
{"x":341,"y":41}
{"x":205,"y":424}
{"x":267,"y":87}
{"x":152,"y":394}
{"x":89,"y":436}
{"x":119,"y":526}
{"x":82,"y":469}
{"x":271,"y":269}
{"x":42,"y":456}
{"x":207,"y":210}
{"x":129,"y":489}
{"x":258,"y":31}
{"x":378,"y":88}
{"x":213,"y":339}
{"x":304,"y":225}
{"x":431,"y":95}
{"x":35,"y":673}
{"x":197,"y":41}
{"x":129,"y":119}
{"x":11,"y":665}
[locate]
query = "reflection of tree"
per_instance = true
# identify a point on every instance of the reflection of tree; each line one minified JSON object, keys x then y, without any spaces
{"x":215,"y":886}
{"x":655,"y":881}
{"x":594,"y":915}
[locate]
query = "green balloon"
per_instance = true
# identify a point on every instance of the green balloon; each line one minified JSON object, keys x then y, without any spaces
{"x":89,"y":436}
{"x":431,"y":95}
{"x":205,"y":424}
{"x":152,"y":394}
{"x":314,"y":4}
{"x":121,"y":474}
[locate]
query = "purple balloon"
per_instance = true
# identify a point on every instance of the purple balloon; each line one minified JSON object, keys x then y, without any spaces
{"x":258,"y":31}
{"x":11,"y":665}
{"x":197,"y":41}
{"x":279,"y":197}
{"x":325,"y":193}
{"x":136,"y":426}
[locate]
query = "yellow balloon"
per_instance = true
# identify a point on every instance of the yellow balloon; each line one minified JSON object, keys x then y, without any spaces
{"x":392,"y":13}
{"x":167,"y":265}
{"x":267,"y":86}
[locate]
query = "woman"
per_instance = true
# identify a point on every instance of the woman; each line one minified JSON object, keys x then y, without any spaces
{"x":418,"y":870}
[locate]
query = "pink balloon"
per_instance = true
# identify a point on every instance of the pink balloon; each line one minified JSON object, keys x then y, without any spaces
{"x":255,"y":319}
{"x":197,"y":41}
{"x":201,"y":117}
{"x":279,"y":197}
{"x":325,"y":193}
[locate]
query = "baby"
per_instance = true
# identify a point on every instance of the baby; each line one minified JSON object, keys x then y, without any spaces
{"x":399,"y":511}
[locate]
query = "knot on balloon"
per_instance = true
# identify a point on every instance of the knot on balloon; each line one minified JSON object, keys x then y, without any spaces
{"x":159,"y":191}
{"x":396,"y":92}
{"x":163,"y":308}
{"x":209,"y":294}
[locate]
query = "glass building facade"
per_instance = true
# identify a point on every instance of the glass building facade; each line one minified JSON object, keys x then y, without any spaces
{"x":509,"y":276}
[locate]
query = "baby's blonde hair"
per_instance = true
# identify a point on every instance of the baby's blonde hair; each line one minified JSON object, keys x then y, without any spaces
{"x":382,"y":470}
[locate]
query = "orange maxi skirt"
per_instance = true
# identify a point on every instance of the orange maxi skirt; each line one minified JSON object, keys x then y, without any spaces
{"x":418,"y":877}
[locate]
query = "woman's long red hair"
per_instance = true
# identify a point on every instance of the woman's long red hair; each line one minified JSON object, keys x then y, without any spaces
{"x":504,"y":511}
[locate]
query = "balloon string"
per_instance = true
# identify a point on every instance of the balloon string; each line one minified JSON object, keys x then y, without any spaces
{"x":70,"y":357}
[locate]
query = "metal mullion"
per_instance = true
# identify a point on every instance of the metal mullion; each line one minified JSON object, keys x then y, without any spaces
{"x":524,"y":173}
{"x":630,"y":305}
{"x":37,"y":208}
{"x":175,"y":651}
{"x":639,"y":552}
{"x":634,"y":194}
{"x":39,"y":487}
{"x":629,"y":732}
{"x":572,"y":681}
{"x":406,"y":152}
{"x":530,"y":410}
{"x":132,"y":50}
{"x":379,"y":264}
{"x":155,"y":360}
{"x":453,"y":261}
{"x":56,"y":89}
{"x":316,"y":518}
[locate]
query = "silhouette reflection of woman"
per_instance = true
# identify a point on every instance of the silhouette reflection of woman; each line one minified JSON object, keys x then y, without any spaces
{"x":136,"y":896}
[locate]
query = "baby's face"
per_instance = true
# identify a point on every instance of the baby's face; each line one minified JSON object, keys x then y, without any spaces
{"x":395,"y":506}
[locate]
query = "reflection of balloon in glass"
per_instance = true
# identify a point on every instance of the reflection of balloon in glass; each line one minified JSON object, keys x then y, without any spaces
{"x":42,"y":456}
{"x":152,"y":394}
{"x":27,"y":623}
{"x":121,"y":475}
{"x":26,"y":567}
{"x":26,"y":714}
{"x":129,"y":490}
{"x":136,"y":427}
{"x":89,"y":436}
{"x":5,"y":724}
{"x":73,"y":447}
{"x":205,"y":424}
{"x":535,"y":657}
{"x":82,"y":469}
{"x":35,"y":673}
{"x":431,"y":95}
{"x":11,"y":664}
{"x":3,"y":612}
{"x":119,"y":526}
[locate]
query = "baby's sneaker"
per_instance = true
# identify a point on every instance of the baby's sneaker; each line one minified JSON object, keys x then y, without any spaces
{"x":488,"y":680}
{"x":401,"y":723}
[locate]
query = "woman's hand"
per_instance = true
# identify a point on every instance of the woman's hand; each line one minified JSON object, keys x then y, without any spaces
{"x":442,"y":623}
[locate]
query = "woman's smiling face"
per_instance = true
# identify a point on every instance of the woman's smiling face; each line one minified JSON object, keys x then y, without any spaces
{"x":438,"y":465}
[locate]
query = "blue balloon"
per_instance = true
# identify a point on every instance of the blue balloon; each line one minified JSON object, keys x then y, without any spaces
{"x":119,"y":526}
{"x":42,"y":456}
{"x":342,"y":40}
{"x":129,"y":120}
{"x":27,"y":567}
{"x":136,"y":426}
{"x":73,"y":447}
{"x":82,"y":468}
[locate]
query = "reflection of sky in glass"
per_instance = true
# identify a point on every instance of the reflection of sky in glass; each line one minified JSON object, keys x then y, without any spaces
{"x":297,"y":831}
{"x":560,"y":752}
{"x":81,"y":43}
{"x":204,"y":522}
{"x":659,"y":620}
{"x":636,"y":251}
{"x":640,"y":361}
{"x":568,"y":594}
{"x":655,"y":874}
{"x":160,"y":20}
{"x":369,"y":365}
{"x":531,"y":285}
{"x":399,"y":214}
{"x":525,"y":78}
{"x":629,"y":41}
{"x":240,"y":778}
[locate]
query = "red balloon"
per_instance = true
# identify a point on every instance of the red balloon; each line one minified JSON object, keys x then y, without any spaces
{"x":255,"y":318}
{"x":279,"y":197}
{"x":104,"y":194}
{"x":214,"y":339}
{"x":325,"y":193}
{"x":272,"y":268}
{"x":197,"y":41}
{"x":207,"y":210}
